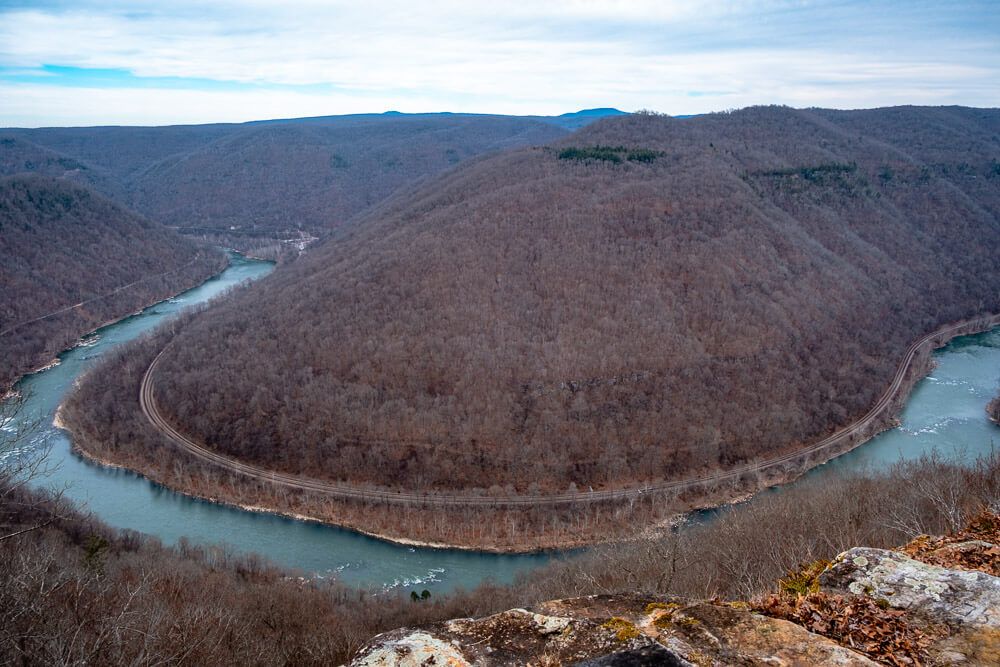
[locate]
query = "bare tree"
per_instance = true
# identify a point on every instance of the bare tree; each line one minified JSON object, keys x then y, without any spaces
{"x":23,"y":459}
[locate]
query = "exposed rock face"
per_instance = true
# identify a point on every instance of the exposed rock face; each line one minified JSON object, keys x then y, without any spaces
{"x":941,"y":607}
{"x":966,"y":602}
{"x":955,"y":597}
{"x":611,"y":631}
{"x":412,"y":649}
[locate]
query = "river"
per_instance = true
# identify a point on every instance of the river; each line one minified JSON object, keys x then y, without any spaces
{"x":946,"y":411}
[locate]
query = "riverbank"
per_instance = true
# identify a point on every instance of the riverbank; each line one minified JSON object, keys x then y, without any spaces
{"x":498,"y":527}
{"x":210,"y":270}
{"x":213,"y":591}
{"x":91,"y":458}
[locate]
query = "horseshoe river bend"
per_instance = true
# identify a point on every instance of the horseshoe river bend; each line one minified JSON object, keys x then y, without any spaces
{"x":944,"y":412}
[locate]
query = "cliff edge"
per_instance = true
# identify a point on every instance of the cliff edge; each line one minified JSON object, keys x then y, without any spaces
{"x":935,"y":601}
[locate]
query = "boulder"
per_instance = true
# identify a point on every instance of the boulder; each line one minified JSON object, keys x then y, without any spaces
{"x":410,"y":649}
{"x":959,"y":598}
{"x":960,"y":607}
{"x":611,"y":631}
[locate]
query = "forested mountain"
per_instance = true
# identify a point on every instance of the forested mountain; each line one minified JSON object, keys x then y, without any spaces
{"x":582,"y":118}
{"x":644,"y":299}
{"x":281,"y":177}
{"x":63,"y":245}
{"x":19,"y":156}
{"x":277,"y":178}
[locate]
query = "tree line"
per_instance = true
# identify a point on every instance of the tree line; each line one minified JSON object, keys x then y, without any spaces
{"x":71,"y":260}
{"x":74,"y":590}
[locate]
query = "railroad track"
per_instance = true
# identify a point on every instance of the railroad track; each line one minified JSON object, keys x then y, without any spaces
{"x":99,"y":297}
{"x":147,"y":401}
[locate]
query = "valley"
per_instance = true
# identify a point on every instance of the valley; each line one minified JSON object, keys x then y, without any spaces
{"x":566,"y":334}
{"x":475,"y":360}
{"x":308,"y":175}
{"x":73,"y":261}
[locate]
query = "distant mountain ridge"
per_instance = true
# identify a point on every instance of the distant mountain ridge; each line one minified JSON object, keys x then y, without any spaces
{"x":280,"y":177}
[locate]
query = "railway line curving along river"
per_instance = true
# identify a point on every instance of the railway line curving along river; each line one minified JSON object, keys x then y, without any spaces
{"x":944,"y":411}
{"x":843,"y":440}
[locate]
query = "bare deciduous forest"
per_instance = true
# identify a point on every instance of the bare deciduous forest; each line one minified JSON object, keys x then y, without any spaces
{"x":62,"y":244}
{"x":328,"y":338}
{"x":73,"y":590}
{"x":268,"y":179}
{"x":748,"y":286}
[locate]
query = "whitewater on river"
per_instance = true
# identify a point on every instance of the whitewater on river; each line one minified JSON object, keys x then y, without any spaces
{"x":945,"y":412}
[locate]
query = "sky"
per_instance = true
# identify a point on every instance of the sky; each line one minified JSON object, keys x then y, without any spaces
{"x":126,"y":62}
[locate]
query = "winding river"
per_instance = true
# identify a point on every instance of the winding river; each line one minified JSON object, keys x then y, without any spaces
{"x":946,"y":412}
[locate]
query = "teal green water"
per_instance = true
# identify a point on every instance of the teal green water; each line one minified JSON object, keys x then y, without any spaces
{"x":126,"y":500}
{"x":945,"y":412}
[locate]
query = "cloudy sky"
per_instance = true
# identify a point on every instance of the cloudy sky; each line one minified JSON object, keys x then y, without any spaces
{"x":86,"y":62}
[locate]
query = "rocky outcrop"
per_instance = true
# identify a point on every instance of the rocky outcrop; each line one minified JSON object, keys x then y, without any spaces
{"x":960,"y":606}
{"x":955,"y":597}
{"x":935,"y":601}
{"x":611,"y":631}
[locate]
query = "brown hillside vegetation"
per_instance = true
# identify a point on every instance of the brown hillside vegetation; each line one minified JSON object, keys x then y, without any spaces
{"x":648,"y":299}
{"x":750,"y":288}
{"x":75,"y":590}
{"x":273,"y":178}
{"x":61,"y":245}
{"x":313,"y":176}
{"x":18,"y":156}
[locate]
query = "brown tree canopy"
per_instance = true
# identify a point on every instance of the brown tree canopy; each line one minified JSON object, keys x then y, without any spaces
{"x":62,"y":244}
{"x":645,"y":298}
{"x":270,"y":178}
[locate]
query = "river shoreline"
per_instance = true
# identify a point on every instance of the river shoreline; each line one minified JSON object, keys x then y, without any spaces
{"x":10,"y":392}
{"x":712,"y":498}
{"x":93,"y":459}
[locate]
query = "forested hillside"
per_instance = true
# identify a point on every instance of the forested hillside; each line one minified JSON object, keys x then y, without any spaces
{"x":274,"y":178}
{"x":19,"y":156}
{"x":647,"y":299}
{"x":281,"y":177}
{"x":62,"y":245}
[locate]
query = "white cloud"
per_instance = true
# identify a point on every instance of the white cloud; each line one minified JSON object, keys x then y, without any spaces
{"x":540,"y":57}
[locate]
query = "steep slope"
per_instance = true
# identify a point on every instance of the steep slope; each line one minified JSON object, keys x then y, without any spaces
{"x":125,"y":151}
{"x":646,"y":299}
{"x":281,"y":177}
{"x":71,"y":260}
{"x":19,"y":156}
{"x":751,"y":288}
{"x":277,"y":178}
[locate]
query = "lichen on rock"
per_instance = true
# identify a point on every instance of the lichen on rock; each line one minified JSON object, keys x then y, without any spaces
{"x":955,"y":597}
{"x":941,"y":606}
{"x":411,"y":649}
{"x":620,"y":630}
